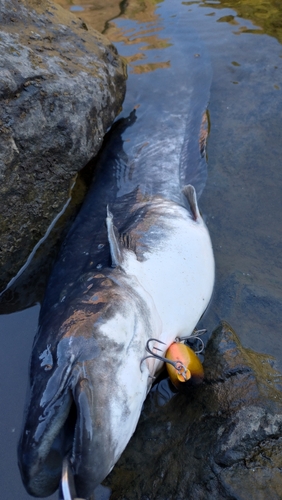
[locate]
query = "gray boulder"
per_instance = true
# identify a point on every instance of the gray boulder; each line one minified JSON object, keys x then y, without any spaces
{"x":61,"y":86}
{"x":221,"y":440}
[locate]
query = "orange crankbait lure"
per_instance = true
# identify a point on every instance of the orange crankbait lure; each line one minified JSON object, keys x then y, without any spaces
{"x":181,"y":361}
{"x":187,"y":365}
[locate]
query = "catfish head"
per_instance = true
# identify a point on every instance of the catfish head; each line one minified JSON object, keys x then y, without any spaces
{"x":86,"y":384}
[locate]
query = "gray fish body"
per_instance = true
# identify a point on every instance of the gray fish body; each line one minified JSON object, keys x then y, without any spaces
{"x":87,"y":386}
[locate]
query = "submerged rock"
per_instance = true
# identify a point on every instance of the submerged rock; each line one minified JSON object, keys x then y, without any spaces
{"x":61,"y":86}
{"x":219,"y":441}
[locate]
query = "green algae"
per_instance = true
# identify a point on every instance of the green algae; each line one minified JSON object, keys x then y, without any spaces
{"x":264,"y":14}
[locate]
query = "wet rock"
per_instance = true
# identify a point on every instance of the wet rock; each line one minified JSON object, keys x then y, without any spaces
{"x":219,"y":441}
{"x":61,"y":86}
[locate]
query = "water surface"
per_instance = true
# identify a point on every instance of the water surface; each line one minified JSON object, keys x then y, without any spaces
{"x":242,"y":198}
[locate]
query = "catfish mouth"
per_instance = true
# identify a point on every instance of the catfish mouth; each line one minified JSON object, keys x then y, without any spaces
{"x":61,"y":420}
{"x":65,"y":433}
{"x":40,"y":460}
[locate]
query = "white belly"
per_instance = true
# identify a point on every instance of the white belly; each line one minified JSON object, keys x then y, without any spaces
{"x":178,"y":272}
{"x":174,"y":279}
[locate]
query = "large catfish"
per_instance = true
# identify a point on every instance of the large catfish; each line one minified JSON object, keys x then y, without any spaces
{"x":137,"y":264}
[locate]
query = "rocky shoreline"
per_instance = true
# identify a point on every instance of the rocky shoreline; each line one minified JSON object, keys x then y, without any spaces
{"x":222,"y":440}
{"x":61,"y":86}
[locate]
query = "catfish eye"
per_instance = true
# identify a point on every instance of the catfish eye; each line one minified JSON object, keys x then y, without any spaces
{"x":47,"y":359}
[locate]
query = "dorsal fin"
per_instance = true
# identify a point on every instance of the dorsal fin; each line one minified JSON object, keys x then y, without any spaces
{"x":115,"y":249}
{"x":190,"y":193}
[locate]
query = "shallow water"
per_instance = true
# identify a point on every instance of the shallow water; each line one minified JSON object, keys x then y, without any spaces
{"x":241,"y":201}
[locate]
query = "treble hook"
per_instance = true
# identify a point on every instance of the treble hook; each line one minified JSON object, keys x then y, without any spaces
{"x":194,"y":335}
{"x":178,"y":365}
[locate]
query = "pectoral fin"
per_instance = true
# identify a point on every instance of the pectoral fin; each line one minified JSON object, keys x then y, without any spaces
{"x":115,"y":247}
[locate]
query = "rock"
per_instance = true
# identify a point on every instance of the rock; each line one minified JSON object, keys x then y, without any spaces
{"x":61,"y":86}
{"x":221,"y":440}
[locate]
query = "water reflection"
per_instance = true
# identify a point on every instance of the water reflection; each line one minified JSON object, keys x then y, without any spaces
{"x":97,"y":13}
{"x":242,"y":201}
{"x":266,"y":14}
{"x":137,"y":41}
{"x":76,"y":8}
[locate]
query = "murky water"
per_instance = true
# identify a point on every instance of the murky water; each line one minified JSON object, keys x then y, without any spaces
{"x":242,"y":201}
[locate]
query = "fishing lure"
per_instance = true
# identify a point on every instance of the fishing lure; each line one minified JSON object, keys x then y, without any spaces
{"x":182,"y":363}
{"x":188,"y":366}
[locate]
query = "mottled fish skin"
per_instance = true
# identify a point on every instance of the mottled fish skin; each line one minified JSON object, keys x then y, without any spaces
{"x":87,"y":386}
